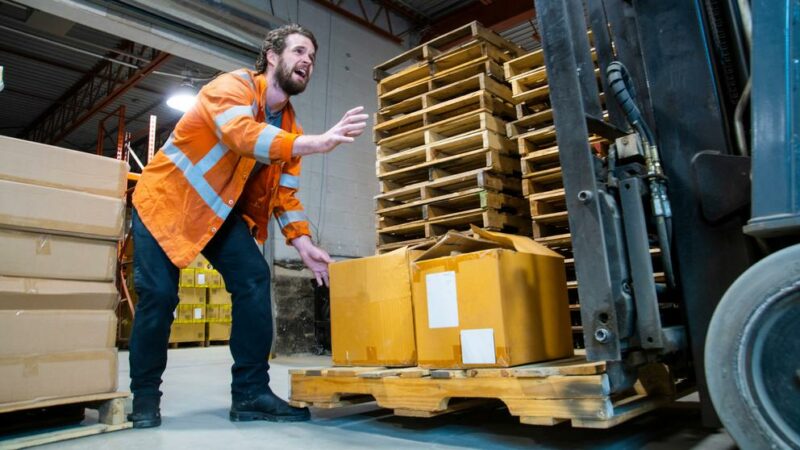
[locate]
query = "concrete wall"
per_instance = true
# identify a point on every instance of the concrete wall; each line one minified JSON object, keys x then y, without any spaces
{"x":337,"y":189}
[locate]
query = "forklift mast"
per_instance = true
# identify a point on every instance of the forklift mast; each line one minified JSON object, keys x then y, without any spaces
{"x":664,"y":216}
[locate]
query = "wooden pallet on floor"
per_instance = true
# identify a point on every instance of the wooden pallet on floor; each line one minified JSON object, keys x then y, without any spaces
{"x":38,"y":419}
{"x":572,"y":390}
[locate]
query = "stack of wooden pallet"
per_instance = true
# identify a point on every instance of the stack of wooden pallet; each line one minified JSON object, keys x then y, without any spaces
{"x":443,"y":160}
{"x":542,"y":182}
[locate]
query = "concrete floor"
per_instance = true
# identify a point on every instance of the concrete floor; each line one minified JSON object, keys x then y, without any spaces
{"x":196,"y":401}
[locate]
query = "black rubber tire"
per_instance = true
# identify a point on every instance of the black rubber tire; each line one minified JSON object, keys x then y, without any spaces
{"x":752,"y":354}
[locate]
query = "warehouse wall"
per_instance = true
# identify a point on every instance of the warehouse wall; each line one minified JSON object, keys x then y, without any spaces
{"x":337,"y":189}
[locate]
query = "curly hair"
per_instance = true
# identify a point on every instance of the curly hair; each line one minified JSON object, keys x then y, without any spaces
{"x":276,"y":41}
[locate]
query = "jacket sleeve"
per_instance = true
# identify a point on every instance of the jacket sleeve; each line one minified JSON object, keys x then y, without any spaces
{"x":228,"y":105}
{"x":288,"y":210}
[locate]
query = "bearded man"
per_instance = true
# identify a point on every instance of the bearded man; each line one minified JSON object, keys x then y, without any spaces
{"x":232,"y":161}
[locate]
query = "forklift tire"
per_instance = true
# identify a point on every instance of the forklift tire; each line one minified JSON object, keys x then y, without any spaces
{"x":752,"y":354}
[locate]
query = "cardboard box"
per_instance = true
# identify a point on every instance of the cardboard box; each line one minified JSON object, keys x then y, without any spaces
{"x":191,"y":295}
{"x":219,"y":313}
{"x":47,"y":165}
{"x":218,"y":320}
{"x":219,"y":296}
{"x":187,"y":277}
{"x":187,"y":332}
{"x":42,"y":293}
{"x":25,"y":332}
{"x":495,"y":307}
{"x":372,"y":323}
{"x":60,"y":211}
{"x":38,"y":255}
{"x":218,"y":331}
{"x":214,"y":279}
{"x":190,"y":313}
{"x":54,"y":375}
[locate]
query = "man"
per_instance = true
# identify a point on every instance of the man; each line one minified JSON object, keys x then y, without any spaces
{"x":210,"y":189}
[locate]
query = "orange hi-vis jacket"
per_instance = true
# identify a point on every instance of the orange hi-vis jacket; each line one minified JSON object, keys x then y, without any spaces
{"x":203,"y":171}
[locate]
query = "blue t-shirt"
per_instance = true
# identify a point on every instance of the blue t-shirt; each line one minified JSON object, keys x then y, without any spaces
{"x":274,"y":120}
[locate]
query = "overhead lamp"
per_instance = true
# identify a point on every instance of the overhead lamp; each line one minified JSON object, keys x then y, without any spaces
{"x":184,"y":97}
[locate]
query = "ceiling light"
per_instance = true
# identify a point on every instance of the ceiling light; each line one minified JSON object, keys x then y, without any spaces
{"x":184,"y":97}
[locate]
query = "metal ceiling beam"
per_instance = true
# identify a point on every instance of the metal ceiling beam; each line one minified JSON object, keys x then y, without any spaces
{"x":364,"y":19}
{"x":62,"y":65}
{"x":104,"y":84}
{"x":497,"y":15}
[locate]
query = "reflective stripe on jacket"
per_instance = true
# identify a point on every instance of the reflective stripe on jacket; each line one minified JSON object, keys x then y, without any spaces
{"x":203,"y":170}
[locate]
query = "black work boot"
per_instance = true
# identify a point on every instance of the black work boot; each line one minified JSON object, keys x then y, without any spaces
{"x":146,"y":412}
{"x":268,"y":407}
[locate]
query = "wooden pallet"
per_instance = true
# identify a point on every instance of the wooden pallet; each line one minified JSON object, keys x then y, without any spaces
{"x":442,"y":186}
{"x":571,"y":390}
{"x":408,"y":92}
{"x":438,"y":47}
{"x":444,"y":151}
{"x":468,"y":104}
{"x":436,"y":95}
{"x":489,"y":160}
{"x":430,"y":134}
{"x":433,"y":227}
{"x":111,"y":417}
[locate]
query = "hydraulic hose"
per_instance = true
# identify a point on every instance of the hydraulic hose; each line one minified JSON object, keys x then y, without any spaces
{"x":624,"y":93}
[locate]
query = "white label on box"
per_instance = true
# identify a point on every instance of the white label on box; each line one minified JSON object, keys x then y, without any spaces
{"x":477,"y":346}
{"x":198,"y":313}
{"x":201,"y":278}
{"x":442,"y":301}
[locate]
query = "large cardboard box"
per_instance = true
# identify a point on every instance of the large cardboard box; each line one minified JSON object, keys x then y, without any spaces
{"x":47,"y":165}
{"x":42,"y":293}
{"x":60,"y":211}
{"x":495,"y":307}
{"x":53,"y":375}
{"x":39,"y":255}
{"x":372,"y":323}
{"x":24,"y":332}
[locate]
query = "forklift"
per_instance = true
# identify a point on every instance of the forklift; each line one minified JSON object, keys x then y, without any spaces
{"x":700,"y":102}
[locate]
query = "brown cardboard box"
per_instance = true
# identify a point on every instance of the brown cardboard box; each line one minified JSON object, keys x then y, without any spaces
{"x":218,"y":318}
{"x":60,"y":211}
{"x":39,"y":255}
{"x":495,"y":307}
{"x":219,"y":296}
{"x":187,"y":332}
{"x":54,"y":375}
{"x":24,"y":332}
{"x":372,"y":323}
{"x":47,"y":165}
{"x":42,"y":293}
{"x":191,"y":295}
{"x":190,"y":313}
{"x":187,"y":278}
{"x":218,"y":331}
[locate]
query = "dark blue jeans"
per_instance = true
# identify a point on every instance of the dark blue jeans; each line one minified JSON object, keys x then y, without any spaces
{"x":234,"y":253}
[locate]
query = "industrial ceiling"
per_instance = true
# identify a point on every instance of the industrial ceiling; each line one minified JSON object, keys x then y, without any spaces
{"x":63,"y":77}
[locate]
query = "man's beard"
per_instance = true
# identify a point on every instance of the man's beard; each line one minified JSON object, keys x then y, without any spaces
{"x":283,"y":76}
